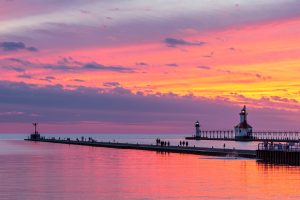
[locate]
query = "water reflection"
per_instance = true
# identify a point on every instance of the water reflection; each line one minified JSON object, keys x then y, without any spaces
{"x":30,"y":170}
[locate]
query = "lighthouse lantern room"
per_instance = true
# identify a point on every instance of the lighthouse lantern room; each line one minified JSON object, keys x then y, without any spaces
{"x":198,"y":131}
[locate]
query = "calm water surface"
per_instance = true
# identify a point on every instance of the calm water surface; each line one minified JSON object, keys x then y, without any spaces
{"x":30,"y":170}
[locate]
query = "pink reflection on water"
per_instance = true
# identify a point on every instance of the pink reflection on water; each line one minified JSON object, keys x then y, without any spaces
{"x":55,"y":171}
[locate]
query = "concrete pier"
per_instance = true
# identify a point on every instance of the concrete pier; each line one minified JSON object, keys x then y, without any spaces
{"x":279,"y":153}
{"x":147,"y":147}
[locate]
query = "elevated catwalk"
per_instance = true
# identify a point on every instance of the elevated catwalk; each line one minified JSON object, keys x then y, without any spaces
{"x":244,"y":132}
{"x":271,"y":136}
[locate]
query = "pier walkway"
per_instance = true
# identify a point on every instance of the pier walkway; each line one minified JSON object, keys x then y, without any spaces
{"x":158,"y":148}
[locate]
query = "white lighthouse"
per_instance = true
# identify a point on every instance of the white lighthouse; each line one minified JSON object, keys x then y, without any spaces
{"x":198,"y":131}
{"x":243,"y":131}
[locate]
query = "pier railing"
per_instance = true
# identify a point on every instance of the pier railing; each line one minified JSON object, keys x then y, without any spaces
{"x":277,"y":135}
{"x":295,"y":147}
{"x":217,"y":134}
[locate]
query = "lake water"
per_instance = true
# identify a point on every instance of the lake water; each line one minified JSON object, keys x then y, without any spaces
{"x":31,"y":170}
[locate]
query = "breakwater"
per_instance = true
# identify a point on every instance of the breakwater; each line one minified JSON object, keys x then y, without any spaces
{"x":158,"y":148}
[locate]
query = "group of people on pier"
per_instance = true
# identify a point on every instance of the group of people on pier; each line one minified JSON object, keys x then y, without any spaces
{"x":162,"y":143}
{"x":183,"y":143}
{"x":83,"y":139}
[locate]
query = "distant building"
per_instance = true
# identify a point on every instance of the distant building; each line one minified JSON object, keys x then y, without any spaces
{"x":243,"y":130}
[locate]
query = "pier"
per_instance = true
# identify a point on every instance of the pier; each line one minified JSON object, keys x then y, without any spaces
{"x":244,"y":132}
{"x":268,"y":151}
{"x":279,"y":153}
{"x":157,"y":148}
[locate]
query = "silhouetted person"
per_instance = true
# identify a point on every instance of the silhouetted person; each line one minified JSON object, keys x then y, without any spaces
{"x":186,"y":143}
{"x":168,"y":143}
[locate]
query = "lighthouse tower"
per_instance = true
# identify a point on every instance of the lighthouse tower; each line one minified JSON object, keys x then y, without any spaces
{"x":198,"y":131}
{"x":35,"y":135}
{"x":243,"y":131}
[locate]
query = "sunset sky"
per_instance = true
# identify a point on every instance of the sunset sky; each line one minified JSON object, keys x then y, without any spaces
{"x":157,"y":66}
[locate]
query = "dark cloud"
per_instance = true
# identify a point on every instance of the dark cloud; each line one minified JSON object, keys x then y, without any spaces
{"x":116,"y":104}
{"x":121,"y":91}
{"x":173,"y":42}
{"x":204,"y":67}
{"x":285,"y":100}
{"x":59,"y":67}
{"x":100,"y":67}
{"x":48,"y":78}
{"x":53,"y":103}
{"x":14,"y":64}
{"x":15,"y":46}
{"x":111,"y":84}
{"x":78,"y":80}
{"x":68,"y":61}
{"x":17,"y":69}
{"x":26,"y":76}
{"x":19,"y":61}
{"x":31,"y":49}
{"x":172,"y":65}
{"x":259,"y":76}
{"x":66,"y":64}
{"x":141,"y":64}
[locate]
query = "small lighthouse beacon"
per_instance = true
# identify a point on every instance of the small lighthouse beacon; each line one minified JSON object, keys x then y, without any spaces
{"x":198,"y":131}
{"x":243,"y":131}
{"x":35,"y":135}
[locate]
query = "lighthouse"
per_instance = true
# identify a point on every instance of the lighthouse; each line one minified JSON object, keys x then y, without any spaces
{"x":198,"y":131}
{"x":243,"y":131}
{"x":35,"y":135}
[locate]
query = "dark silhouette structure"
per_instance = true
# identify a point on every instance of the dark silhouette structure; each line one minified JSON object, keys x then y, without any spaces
{"x":35,"y":135}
